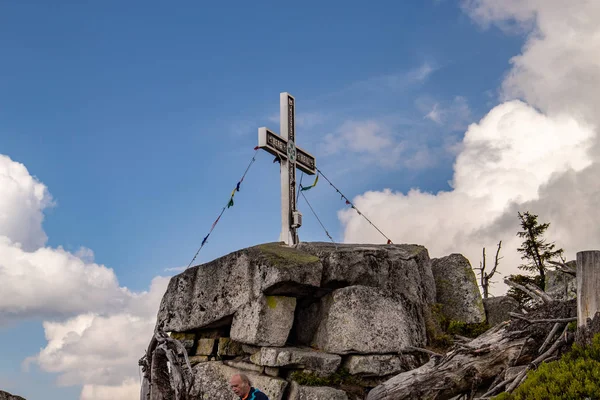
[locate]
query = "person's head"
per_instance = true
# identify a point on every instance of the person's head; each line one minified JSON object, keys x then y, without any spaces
{"x":240,"y":384}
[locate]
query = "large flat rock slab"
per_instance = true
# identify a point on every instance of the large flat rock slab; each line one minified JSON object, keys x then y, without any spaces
{"x":457,"y":290}
{"x":398,"y":268}
{"x":209,"y":294}
{"x":367,"y":320}
{"x":211,"y":381}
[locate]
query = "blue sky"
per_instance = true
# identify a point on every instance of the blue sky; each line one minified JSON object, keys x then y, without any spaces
{"x":140,"y":117}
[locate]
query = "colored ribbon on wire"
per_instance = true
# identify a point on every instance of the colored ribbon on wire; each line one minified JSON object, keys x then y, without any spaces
{"x":303,"y":188}
{"x":229,"y":204}
{"x":348,"y":202}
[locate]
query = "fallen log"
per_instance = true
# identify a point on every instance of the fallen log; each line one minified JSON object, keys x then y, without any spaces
{"x":487,"y":356}
{"x":481,"y":364}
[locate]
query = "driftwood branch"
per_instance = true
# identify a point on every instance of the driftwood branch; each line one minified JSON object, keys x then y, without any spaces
{"x":542,"y":321}
{"x":532,"y":291}
{"x":456,"y":372}
{"x":167,"y":373}
{"x":546,"y":356}
{"x":563,"y":267}
{"x":550,"y":336}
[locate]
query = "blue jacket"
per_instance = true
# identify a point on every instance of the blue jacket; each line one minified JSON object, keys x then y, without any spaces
{"x":256,"y":394}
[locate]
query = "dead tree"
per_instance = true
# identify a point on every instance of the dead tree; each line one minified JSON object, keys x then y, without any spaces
{"x":166,"y":369}
{"x":588,"y":295}
{"x":486,"y":278}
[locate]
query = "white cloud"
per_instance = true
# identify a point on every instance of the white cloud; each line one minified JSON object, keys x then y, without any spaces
{"x":435,"y":114}
{"x":107,"y":326}
{"x":129,"y":389}
{"x":22,"y":201}
{"x":539,"y":155}
{"x":54,"y":282}
{"x":397,"y":81}
{"x":101,"y":352}
{"x":373,"y":142}
{"x":454,"y":115}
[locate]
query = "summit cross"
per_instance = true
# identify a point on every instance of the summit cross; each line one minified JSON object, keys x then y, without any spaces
{"x":290,"y":157}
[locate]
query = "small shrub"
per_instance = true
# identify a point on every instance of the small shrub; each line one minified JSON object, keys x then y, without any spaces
{"x":575,"y":376}
{"x":468,"y":330}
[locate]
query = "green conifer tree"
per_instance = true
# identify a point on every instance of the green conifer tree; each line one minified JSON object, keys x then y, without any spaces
{"x":535,"y":250}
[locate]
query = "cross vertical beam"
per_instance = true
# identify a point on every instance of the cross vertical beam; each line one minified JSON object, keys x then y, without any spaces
{"x":287,"y":108}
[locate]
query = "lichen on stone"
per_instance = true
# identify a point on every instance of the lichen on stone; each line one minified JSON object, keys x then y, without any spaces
{"x":271,"y":301}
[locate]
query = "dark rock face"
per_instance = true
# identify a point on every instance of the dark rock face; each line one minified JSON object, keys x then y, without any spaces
{"x":8,"y":396}
{"x":497,"y":309}
{"x":457,"y":290}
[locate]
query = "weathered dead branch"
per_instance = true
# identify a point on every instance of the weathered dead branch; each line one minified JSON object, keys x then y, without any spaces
{"x":532,"y":291}
{"x":167,"y":373}
{"x":523,"y":342}
{"x":563,"y":267}
{"x":542,"y":321}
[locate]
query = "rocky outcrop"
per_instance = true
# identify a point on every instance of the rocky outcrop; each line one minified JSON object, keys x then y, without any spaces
{"x":497,"y":309}
{"x":8,"y":396}
{"x":306,"y":322}
{"x":561,"y":286}
{"x":457,"y":291}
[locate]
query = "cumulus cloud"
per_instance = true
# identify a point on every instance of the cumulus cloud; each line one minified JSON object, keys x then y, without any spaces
{"x":537,"y":151}
{"x":52,"y":282}
{"x":96,"y":330}
{"x":129,"y":389}
{"x":22,"y":203}
{"x":100,"y":351}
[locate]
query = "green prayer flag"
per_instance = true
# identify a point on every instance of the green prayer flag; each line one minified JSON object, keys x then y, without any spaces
{"x":230,"y":204}
{"x":311,"y":186}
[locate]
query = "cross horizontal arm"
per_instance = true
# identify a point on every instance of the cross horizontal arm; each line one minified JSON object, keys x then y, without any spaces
{"x":276,"y":145}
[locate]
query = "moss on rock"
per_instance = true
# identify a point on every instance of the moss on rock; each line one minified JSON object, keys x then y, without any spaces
{"x":281,"y":255}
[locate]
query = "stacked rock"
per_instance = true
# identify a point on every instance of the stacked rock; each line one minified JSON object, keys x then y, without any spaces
{"x":320,"y":321}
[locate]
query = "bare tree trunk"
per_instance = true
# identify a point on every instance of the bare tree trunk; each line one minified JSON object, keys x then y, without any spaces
{"x":588,"y":295}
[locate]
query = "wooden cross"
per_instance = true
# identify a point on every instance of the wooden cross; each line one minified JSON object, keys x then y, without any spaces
{"x":291,"y":157}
